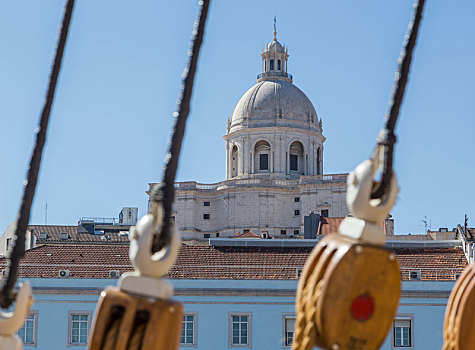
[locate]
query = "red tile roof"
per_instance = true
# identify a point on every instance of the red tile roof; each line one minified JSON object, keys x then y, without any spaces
{"x":328,"y":225}
{"x":434,"y":264}
{"x":248,"y":234}
{"x":331,"y":225}
{"x":208,"y":262}
{"x":54,"y":234}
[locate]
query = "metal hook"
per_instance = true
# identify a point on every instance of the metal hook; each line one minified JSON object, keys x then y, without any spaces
{"x":11,"y":322}
{"x":367,"y":213}
{"x":150,"y":267}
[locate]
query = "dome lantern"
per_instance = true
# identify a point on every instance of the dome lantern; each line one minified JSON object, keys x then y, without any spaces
{"x":274,"y":60}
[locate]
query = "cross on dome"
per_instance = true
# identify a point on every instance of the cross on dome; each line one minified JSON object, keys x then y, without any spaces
{"x":275,"y":27}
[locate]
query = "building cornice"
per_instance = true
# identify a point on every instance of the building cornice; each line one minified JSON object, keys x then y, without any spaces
{"x":276,"y":130}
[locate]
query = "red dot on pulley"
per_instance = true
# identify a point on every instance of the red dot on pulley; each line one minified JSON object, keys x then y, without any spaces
{"x":362,"y":307}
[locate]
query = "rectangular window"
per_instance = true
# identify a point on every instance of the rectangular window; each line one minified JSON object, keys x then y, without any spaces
{"x":296,"y":232}
{"x":206,"y":235}
{"x":297,"y":199}
{"x":27,"y":333}
{"x":263,"y":161}
{"x":289,"y":326}
{"x":240,"y":329}
{"x":217,"y":234}
{"x":296,"y":212}
{"x":9,"y":243}
{"x":78,"y":327}
{"x":283,"y":232}
{"x":294,"y":162}
{"x":271,"y":64}
{"x":324,"y":213}
{"x":278,"y":64}
{"x":206,"y":204}
{"x":188,"y":330}
{"x":402,"y":333}
{"x":206,"y":216}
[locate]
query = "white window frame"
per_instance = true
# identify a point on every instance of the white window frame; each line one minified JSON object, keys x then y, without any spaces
{"x":249,"y":329}
{"x":195,"y":330}
{"x":286,"y":316}
{"x":403,"y":317}
{"x":70,"y":326}
{"x":33,"y":313}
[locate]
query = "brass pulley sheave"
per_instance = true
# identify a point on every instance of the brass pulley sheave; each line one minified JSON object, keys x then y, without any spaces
{"x":349,"y":289}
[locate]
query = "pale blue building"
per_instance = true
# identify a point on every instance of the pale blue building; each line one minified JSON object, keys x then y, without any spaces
{"x":239,"y":296}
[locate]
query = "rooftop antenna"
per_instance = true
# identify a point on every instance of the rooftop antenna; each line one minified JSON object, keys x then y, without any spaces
{"x":426,"y":223}
{"x":46,"y":213}
{"x":275,"y":27}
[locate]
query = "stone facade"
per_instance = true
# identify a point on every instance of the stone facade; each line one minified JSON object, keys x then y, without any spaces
{"x":274,"y":165}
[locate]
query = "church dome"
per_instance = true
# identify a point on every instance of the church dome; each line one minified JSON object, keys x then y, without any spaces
{"x":274,"y":102}
{"x":274,"y":131}
{"x":274,"y":45}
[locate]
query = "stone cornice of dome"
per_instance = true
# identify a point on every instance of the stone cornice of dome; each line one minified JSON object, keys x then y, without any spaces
{"x":247,"y":131}
{"x":286,"y":122}
{"x":275,"y":75}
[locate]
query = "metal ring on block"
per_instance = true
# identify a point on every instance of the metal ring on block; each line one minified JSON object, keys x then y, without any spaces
{"x":150,"y":267}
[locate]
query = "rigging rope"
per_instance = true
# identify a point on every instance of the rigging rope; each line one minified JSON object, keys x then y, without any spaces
{"x":164,"y":194}
{"x":386,"y":137}
{"x":7,"y":296}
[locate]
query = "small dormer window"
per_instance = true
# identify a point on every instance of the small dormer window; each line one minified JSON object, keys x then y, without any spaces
{"x":271,"y":64}
{"x":278,"y":64}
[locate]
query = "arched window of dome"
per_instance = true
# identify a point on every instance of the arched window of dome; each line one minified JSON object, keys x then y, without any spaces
{"x":234,"y":161}
{"x":296,"y":157}
{"x":278,"y":64}
{"x":262,"y":156}
{"x":272,"y":64}
{"x":319,"y":161}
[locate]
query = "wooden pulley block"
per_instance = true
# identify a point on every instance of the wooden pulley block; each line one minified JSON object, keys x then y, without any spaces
{"x":140,"y":314}
{"x":347,"y":295}
{"x":130,"y":322}
{"x":459,"y":314}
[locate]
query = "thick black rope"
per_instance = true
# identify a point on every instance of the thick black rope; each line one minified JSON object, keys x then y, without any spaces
{"x":165,"y":192}
{"x":386,"y":137}
{"x":7,"y":295}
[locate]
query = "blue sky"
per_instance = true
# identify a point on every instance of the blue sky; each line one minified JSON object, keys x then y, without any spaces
{"x":119,"y":84}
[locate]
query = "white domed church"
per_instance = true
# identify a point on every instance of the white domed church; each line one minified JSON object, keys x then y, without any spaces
{"x":274,"y":165}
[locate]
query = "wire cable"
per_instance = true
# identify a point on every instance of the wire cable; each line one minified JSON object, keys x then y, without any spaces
{"x":7,"y":295}
{"x":386,"y":138}
{"x":164,"y":193}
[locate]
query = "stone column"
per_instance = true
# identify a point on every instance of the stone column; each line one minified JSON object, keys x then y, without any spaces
{"x":241,"y":158}
{"x":271,"y":161}
{"x":228,"y":174}
{"x":288,"y":162}
{"x":252,"y":162}
{"x":305,"y":167}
